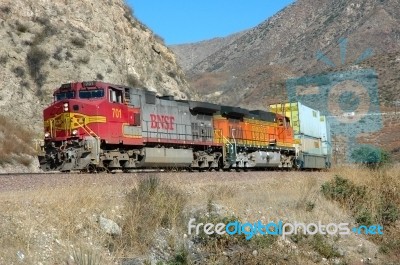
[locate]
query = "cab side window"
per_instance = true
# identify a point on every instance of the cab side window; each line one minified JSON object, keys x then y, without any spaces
{"x":115,"y":95}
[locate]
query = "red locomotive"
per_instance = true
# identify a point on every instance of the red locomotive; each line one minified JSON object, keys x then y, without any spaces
{"x":97,"y":126}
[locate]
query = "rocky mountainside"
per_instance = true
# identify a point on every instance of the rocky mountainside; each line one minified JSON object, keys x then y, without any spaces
{"x":193,"y":53}
{"x":47,"y":43}
{"x":252,"y":69}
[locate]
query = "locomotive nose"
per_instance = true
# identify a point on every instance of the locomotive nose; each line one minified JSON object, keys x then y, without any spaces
{"x":57,"y":120}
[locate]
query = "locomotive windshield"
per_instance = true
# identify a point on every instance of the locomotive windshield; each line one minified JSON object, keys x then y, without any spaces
{"x":65,"y":95}
{"x":94,"y":93}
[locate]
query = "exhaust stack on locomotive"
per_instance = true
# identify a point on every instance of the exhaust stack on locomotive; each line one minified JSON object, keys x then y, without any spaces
{"x":96,"y":126}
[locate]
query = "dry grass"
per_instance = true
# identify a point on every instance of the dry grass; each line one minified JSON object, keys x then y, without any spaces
{"x":15,"y":143}
{"x":50,"y":224}
{"x":298,"y":197}
{"x":267,"y":198}
{"x":380,"y":204}
{"x":150,"y":206}
{"x":382,"y":185}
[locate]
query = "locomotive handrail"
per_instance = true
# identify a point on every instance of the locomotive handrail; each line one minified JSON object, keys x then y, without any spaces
{"x":222,"y":136}
{"x":89,"y":131}
{"x":52,"y":127}
{"x":182,"y":133}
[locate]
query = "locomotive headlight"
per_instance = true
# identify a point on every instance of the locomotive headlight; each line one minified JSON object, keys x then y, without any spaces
{"x":74,"y":132}
{"x":46,"y":135}
{"x":66,"y":107}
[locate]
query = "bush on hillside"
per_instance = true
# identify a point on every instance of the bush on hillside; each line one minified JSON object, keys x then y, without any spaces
{"x":370,"y":156}
{"x":35,"y":59}
{"x":369,"y":204}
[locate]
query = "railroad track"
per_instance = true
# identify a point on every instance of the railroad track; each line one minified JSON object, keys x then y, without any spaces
{"x":24,"y":182}
{"x":99,"y":172}
{"x":102,"y":172}
{"x":30,"y":173}
{"x":164,"y":170}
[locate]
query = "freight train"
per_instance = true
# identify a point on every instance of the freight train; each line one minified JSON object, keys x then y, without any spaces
{"x":95,"y":126}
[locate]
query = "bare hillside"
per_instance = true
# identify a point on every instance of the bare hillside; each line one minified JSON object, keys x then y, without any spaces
{"x":258,"y":63}
{"x":191,"y":54}
{"x":313,"y":38}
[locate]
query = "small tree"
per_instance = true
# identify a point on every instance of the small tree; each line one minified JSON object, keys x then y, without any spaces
{"x":370,"y":156}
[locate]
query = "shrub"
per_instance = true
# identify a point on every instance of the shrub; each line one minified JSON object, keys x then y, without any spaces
{"x":84,"y":60}
{"x":24,"y":84}
{"x":27,"y":43}
{"x":172,"y":74}
{"x":78,"y":42}
{"x":19,"y":71}
{"x":5,"y":9}
{"x":344,"y":191}
{"x":389,"y":212}
{"x":68,"y":55}
{"x":376,"y":203}
{"x":216,"y":244}
{"x":364,"y":217}
{"x":350,"y":196}
{"x":21,"y":27}
{"x":3,"y":59}
{"x":370,"y":156}
{"x":99,"y":76}
{"x":57,"y":54}
{"x":133,"y":81}
{"x":40,"y":80}
{"x":181,"y":257}
{"x":128,"y":14}
{"x":323,"y":247}
{"x":38,"y":39}
{"x":47,"y":31}
{"x":150,"y":206}
{"x":36,"y":58}
{"x":44,"y":21}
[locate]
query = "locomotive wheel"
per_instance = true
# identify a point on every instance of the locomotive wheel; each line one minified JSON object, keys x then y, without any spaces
{"x":91,"y":168}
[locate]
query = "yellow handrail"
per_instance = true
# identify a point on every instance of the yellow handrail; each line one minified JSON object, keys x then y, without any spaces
{"x":87,"y":129}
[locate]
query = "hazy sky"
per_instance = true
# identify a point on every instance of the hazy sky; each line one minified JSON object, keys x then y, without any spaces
{"x":185,"y":21}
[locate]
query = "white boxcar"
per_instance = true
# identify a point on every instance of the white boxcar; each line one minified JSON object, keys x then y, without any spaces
{"x":311,"y":129}
{"x":325,"y":136}
{"x":304,"y":120}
